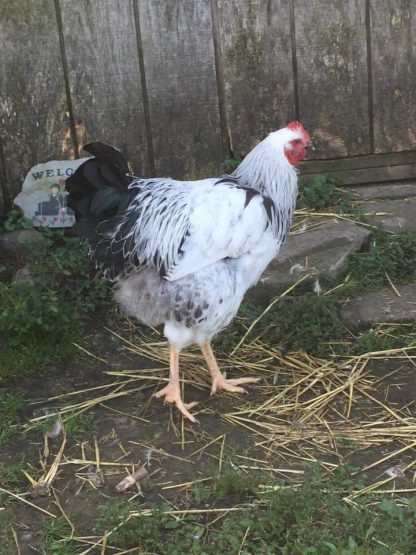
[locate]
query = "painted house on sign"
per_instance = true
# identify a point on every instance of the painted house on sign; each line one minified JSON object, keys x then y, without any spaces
{"x":43,"y":196}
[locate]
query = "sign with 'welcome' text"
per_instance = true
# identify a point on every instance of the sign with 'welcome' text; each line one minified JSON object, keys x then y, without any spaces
{"x":43,"y":195}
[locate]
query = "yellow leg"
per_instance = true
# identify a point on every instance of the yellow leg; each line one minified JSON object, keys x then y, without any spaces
{"x":172,"y":392}
{"x":219,"y":380}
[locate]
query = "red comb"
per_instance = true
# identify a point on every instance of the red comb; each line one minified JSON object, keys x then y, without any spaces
{"x":297,"y":126}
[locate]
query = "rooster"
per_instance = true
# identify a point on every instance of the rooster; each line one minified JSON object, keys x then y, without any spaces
{"x":184,"y":253}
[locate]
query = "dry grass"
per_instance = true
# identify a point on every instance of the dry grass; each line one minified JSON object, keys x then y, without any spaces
{"x":305,"y":409}
{"x":301,"y":399}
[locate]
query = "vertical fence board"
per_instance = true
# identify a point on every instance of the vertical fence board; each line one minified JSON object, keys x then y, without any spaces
{"x":33,"y":107}
{"x":104,"y":75}
{"x":258,"y":73}
{"x":181,"y":83}
{"x":332,"y":74}
{"x":393,"y":34}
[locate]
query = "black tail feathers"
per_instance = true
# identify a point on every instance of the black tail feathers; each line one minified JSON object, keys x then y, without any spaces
{"x":97,"y":188}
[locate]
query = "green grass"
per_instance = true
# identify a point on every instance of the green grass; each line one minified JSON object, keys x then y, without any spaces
{"x":7,"y":543}
{"x":55,"y":533}
{"x":312,"y":518}
{"x":11,"y":474}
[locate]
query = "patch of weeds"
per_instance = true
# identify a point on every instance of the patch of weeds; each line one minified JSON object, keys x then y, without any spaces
{"x":15,"y":220}
{"x":231,"y":164}
{"x":40,"y":321}
{"x":392,"y":255}
{"x":11,"y":474}
{"x":309,"y":518}
{"x":7,"y":543}
{"x":378,"y":340}
{"x":141,"y":532}
{"x":199,"y":494}
{"x":236,"y":486}
{"x":55,"y":537}
{"x":26,"y":360}
{"x":6,"y":430}
{"x":321,"y":191}
{"x":12,"y":478}
{"x":12,"y":403}
{"x":74,"y":424}
{"x":307,"y":322}
{"x":78,"y":424}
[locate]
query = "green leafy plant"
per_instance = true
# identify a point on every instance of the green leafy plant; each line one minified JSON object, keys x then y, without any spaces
{"x":320,"y":191}
{"x":231,"y":164}
{"x":15,"y":220}
{"x":39,"y":320}
{"x":55,"y":537}
{"x":388,"y":256}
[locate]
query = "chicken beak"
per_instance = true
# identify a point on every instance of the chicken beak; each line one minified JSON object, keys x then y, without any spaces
{"x":311,"y":144}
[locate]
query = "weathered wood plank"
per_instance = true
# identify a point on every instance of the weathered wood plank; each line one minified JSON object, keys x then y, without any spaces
{"x":371,"y":175}
{"x":257,"y":65}
{"x":104,"y":75}
{"x":33,"y":105}
{"x":4,"y":191}
{"x":181,"y":83}
{"x":332,"y":75}
{"x":393,"y":39}
{"x":359,"y":162}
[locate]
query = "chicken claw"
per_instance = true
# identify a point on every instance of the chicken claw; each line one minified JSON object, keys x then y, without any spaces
{"x":220,"y":381}
{"x":172,"y":395}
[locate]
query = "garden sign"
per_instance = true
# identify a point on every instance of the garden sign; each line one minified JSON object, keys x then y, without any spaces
{"x":43,"y":195}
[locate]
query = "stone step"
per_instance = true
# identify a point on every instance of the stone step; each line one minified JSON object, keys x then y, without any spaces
{"x":321,"y":251}
{"x":384,"y":305}
{"x":389,"y":191}
{"x":392,"y":215}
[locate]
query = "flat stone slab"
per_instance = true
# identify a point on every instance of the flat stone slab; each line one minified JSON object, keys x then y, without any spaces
{"x":391,"y":215}
{"x":385,"y":191}
{"x":321,"y":251}
{"x":381,"y":306}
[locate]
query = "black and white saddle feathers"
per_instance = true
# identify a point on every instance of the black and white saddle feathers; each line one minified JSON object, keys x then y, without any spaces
{"x":177,"y":227}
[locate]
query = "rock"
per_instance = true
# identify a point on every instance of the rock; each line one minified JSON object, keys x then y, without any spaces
{"x":6,"y":272}
{"x":43,"y":196}
{"x":17,"y":245}
{"x":381,"y":306}
{"x":321,"y":251}
{"x":399,"y":215}
{"x":385,"y":191}
{"x":24,"y":275}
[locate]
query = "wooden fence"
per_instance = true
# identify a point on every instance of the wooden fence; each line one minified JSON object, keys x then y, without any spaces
{"x":179,"y":85}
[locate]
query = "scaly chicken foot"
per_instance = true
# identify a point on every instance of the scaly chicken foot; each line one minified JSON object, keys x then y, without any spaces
{"x":172,"y":392}
{"x":219,"y":380}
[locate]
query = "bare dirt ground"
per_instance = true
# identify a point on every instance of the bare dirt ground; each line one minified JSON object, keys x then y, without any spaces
{"x":359,"y":411}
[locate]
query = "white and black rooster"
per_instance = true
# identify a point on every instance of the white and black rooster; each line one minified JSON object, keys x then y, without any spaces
{"x":184,"y":253}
